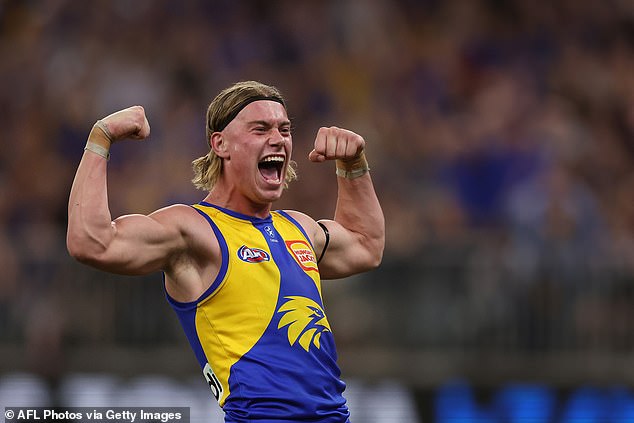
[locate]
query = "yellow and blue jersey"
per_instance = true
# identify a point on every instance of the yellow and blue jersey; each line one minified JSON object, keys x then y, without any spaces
{"x":259,"y":331}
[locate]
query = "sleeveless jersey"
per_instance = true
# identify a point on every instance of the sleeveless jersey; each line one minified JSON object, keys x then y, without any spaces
{"x":259,"y":331}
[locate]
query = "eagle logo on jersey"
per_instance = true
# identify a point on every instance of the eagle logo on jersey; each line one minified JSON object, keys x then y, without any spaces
{"x":305,"y":319}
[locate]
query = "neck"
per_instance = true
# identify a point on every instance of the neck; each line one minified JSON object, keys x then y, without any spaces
{"x":232,"y":200}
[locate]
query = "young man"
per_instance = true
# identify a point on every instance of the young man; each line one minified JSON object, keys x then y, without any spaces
{"x":243,"y":280}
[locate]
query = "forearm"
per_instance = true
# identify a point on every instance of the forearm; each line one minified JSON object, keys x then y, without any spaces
{"x":357,"y":236}
{"x":358,"y":210}
{"x":89,"y":221}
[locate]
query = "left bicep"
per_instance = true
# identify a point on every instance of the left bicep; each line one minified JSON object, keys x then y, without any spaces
{"x":340,"y":252}
{"x":346,"y":254}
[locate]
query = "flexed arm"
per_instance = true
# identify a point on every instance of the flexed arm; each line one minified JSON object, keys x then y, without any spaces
{"x":132,"y":244}
{"x":357,"y":233}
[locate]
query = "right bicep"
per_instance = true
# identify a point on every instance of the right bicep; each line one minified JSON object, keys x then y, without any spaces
{"x":140,"y":244}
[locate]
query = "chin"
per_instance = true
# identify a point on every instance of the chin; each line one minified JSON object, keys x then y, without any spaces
{"x":267,"y":196}
{"x":273,"y":196}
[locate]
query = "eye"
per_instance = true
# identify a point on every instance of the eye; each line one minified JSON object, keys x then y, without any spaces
{"x":285,"y":130}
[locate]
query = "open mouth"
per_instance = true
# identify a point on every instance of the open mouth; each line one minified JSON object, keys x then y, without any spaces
{"x":271,"y":168}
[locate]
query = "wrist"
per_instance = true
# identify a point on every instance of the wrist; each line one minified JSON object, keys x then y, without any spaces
{"x":99,"y":140}
{"x":353,"y":168}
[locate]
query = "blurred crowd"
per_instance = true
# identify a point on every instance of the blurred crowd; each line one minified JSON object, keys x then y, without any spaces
{"x":500,"y":136}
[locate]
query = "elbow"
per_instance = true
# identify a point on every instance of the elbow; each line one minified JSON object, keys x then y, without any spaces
{"x":377,"y":258}
{"x":376,"y":253}
{"x":81,"y":248}
{"x":378,"y":245}
{"x":73,"y":245}
{"x":76,"y":250}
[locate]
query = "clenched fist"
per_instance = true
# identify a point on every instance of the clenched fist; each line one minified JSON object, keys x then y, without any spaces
{"x":336,"y":143}
{"x":127,"y":123}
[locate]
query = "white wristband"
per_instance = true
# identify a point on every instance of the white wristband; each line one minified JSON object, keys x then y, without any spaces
{"x":352,"y":174}
{"x":97,"y":149}
{"x":354,"y":168}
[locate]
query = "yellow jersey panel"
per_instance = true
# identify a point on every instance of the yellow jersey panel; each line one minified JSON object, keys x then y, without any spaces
{"x":260,"y":332}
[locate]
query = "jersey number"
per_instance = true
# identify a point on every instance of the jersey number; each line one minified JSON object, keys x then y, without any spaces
{"x":214,"y":383}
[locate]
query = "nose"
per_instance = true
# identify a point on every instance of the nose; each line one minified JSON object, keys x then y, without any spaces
{"x":276,"y":138}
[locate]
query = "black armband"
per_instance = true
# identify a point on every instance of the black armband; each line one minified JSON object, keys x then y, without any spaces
{"x":323,"y":251}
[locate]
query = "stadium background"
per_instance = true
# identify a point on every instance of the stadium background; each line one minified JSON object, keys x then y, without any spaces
{"x":501,"y":140}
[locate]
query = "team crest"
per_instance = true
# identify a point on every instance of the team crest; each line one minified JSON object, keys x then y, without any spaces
{"x":253,"y":255}
{"x":305,"y":319}
{"x":303,"y":254}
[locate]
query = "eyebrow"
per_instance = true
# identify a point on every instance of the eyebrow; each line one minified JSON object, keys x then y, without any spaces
{"x":268,"y":123}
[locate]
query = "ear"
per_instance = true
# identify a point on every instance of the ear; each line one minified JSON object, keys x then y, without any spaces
{"x":218,"y":144}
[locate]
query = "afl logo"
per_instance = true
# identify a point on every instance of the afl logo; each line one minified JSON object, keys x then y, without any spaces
{"x":253,"y":255}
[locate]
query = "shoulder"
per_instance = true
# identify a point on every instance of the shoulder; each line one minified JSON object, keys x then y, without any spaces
{"x":185,"y":220}
{"x":178,"y":215}
{"x":307,"y":222}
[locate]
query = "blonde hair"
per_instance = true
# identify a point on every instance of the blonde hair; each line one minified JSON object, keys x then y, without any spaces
{"x":221,"y":111}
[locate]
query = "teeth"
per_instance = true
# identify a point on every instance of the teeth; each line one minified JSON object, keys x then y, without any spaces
{"x":273,"y":159}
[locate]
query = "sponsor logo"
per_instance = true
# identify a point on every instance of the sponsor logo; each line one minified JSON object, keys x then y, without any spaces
{"x":305,"y":319}
{"x":303,"y":254}
{"x":253,"y":255}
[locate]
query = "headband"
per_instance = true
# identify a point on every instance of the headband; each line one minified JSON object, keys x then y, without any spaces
{"x":231,"y":116}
